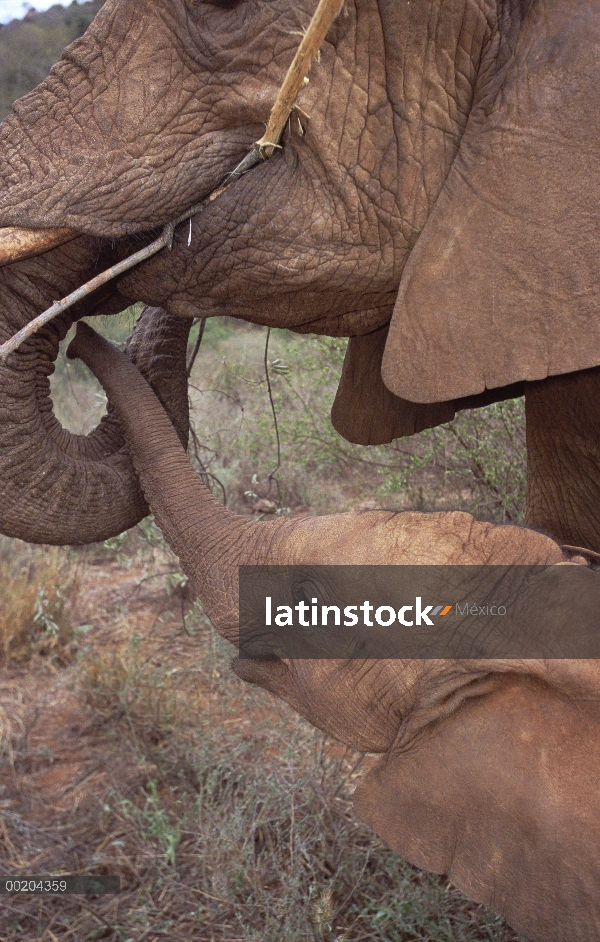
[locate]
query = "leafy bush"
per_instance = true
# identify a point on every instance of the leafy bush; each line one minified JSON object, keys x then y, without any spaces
{"x":475,"y":463}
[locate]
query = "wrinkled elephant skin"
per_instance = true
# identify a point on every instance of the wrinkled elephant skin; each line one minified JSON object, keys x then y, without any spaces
{"x":440,"y":192}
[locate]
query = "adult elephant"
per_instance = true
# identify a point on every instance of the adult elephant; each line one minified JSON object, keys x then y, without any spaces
{"x":438,"y":208}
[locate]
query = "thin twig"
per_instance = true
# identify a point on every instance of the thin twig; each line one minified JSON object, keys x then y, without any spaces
{"x":58,"y":307}
{"x":292,"y":833}
{"x":271,"y":476}
{"x":97,"y":917}
{"x":195,"y":351}
{"x":165,"y":240}
{"x":204,"y":474}
{"x":218,"y":899}
{"x":324,"y":15}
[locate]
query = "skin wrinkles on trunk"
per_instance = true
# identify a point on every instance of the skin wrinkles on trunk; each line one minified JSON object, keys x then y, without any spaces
{"x":79,"y":59}
{"x":386,"y":207}
{"x":97,"y":468}
{"x":503,"y":795}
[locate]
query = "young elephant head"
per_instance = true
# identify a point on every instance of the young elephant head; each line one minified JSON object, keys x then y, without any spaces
{"x":443,"y":181}
{"x":487,"y":769}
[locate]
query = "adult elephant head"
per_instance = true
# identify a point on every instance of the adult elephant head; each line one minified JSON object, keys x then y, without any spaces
{"x":438,"y":207}
{"x":487,"y":768}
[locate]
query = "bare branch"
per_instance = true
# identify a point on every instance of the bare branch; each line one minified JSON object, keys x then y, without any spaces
{"x":59,"y":306}
{"x":324,"y":16}
{"x":196,"y":350}
{"x":271,"y":476}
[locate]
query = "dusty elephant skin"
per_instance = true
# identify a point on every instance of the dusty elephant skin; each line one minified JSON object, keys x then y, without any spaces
{"x":437,"y":208}
{"x":488,"y":769}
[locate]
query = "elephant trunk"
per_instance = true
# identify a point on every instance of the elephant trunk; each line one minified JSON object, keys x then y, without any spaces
{"x":209,"y":540}
{"x":56,"y":487}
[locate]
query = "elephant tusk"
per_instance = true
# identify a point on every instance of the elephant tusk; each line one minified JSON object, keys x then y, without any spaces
{"x":17,"y":244}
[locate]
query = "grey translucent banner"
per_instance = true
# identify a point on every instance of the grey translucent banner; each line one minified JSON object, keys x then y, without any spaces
{"x":76,"y":885}
{"x":419,"y":612}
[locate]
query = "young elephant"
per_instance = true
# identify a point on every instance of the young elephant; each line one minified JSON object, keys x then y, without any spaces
{"x":487,"y":770}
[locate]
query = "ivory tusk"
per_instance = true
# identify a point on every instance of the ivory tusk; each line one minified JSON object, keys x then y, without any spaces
{"x":17,"y":244}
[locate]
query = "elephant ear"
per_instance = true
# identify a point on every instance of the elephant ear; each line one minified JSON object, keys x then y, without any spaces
{"x":365,"y":412}
{"x":503,"y":797}
{"x":504,"y":282}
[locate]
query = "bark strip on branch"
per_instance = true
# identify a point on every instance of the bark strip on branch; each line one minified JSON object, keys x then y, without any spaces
{"x":323,"y":18}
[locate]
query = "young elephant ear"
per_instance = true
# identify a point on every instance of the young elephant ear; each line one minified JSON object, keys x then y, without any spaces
{"x":502,"y":796}
{"x":503,"y":284}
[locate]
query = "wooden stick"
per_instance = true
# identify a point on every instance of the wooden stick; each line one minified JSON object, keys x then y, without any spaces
{"x":17,"y":244}
{"x":323,"y":18}
{"x":59,"y":306}
{"x":165,"y":240}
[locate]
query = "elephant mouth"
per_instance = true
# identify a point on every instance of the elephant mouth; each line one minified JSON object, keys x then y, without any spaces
{"x":56,"y":487}
{"x":17,"y":244}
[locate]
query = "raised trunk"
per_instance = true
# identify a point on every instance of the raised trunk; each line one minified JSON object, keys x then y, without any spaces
{"x":209,"y":540}
{"x":56,"y":487}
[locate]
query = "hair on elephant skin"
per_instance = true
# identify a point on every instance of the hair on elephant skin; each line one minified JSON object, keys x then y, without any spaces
{"x":437,"y":207}
{"x":483,"y":769}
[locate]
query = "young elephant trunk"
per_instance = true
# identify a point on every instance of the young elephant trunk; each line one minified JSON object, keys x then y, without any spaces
{"x":209,"y":540}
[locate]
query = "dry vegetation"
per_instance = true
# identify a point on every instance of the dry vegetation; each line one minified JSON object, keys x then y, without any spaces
{"x":127,"y":746}
{"x":36,"y":586}
{"x":475,"y":463}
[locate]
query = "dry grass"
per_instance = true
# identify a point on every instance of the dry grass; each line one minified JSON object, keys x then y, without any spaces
{"x":144,"y":686}
{"x":36,"y":589}
{"x":229,"y":821}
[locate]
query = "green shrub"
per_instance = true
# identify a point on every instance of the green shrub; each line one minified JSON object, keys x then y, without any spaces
{"x":475,"y":463}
